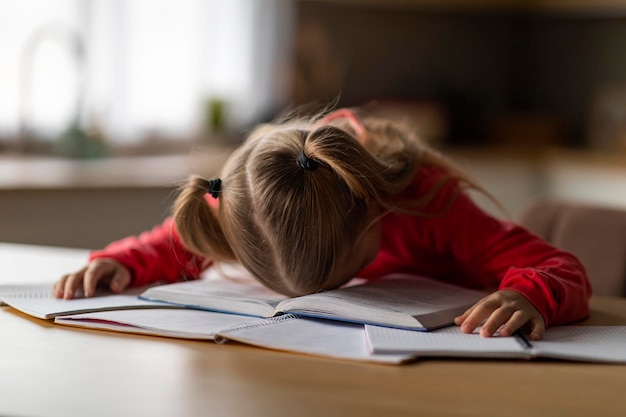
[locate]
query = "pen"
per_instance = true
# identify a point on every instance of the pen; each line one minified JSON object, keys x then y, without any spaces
{"x":520,"y":336}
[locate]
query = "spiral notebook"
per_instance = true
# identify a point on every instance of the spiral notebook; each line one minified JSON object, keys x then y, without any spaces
{"x":315,"y":337}
{"x":29,"y":272}
{"x":38,"y":301}
{"x":574,"y":343}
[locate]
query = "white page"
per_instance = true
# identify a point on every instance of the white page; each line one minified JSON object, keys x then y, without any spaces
{"x":31,"y":264}
{"x":38,"y":301}
{"x":310,"y":336}
{"x":412,"y":295}
{"x":449,"y":342}
{"x":586,"y":343}
{"x":409,"y":299}
{"x":180,"y":323}
{"x":25,"y":290}
{"x":226,"y":295}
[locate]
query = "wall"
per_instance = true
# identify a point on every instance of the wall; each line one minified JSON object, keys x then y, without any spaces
{"x":487,"y":67}
{"x":80,"y":218}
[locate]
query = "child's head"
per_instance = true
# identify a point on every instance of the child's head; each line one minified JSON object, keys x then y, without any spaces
{"x":299,"y":201}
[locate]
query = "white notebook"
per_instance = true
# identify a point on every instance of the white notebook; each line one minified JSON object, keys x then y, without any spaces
{"x":178,"y":323}
{"x":310,"y":336}
{"x":38,"y":301}
{"x":576,"y":343}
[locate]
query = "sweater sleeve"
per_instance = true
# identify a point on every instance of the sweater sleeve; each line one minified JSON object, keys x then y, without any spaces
{"x":155,"y":255}
{"x":493,"y":253}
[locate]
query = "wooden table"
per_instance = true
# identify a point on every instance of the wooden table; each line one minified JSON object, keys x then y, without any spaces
{"x":51,"y":370}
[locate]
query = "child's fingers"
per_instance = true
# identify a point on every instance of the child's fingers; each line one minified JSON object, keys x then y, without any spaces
{"x":95,"y":272}
{"x":537,"y":329}
{"x":507,"y":311}
{"x":497,"y":318}
{"x":120,"y":280}
{"x":460,"y":319}
{"x":72,"y":282}
{"x":105,"y":272}
{"x":58,"y":289}
{"x":479,"y":313}
{"x":515,"y":322}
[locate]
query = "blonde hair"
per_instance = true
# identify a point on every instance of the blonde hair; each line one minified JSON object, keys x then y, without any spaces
{"x":287,"y":225}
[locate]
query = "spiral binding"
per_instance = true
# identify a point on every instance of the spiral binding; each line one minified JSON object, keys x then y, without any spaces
{"x":221,"y":339}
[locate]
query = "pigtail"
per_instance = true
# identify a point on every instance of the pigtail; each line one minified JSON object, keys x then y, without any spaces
{"x":197,"y":222}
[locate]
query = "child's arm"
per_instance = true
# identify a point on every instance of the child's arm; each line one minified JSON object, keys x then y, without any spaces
{"x":534,"y":279}
{"x":157,"y":255}
{"x":154,"y":256}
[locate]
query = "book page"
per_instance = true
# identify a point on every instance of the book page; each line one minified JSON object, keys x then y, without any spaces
{"x":38,"y":301}
{"x":309,"y":336}
{"x":30,"y":264}
{"x":225,"y":295}
{"x":449,"y":342}
{"x":180,"y":323}
{"x":583,"y":343}
{"x":32,"y":290}
{"x":398,"y":300}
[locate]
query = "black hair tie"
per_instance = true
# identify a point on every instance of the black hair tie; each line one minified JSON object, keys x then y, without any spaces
{"x":307,"y":163}
{"x":214,"y":187}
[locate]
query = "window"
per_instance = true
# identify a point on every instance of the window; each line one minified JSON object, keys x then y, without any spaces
{"x":139,"y":67}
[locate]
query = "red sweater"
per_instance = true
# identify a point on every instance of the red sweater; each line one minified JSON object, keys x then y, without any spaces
{"x":460,"y":244}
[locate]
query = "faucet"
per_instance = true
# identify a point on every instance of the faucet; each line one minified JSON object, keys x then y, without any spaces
{"x":68,"y":37}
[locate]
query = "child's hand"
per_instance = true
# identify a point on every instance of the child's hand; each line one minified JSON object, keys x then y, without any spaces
{"x":97,"y":272}
{"x":506,"y":310}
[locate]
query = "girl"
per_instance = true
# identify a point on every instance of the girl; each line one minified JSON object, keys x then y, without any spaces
{"x":307,"y":204}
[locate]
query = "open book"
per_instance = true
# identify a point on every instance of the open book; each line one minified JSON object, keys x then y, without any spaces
{"x":576,"y":343}
{"x":400,"y":300}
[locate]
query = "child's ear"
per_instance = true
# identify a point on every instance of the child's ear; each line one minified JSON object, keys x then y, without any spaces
{"x":349,"y":116}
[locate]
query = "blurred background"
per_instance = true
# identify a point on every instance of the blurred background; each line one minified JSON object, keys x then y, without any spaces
{"x":103,"y":101}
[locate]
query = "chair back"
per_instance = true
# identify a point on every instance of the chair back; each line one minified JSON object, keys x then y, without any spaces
{"x":595,"y":234}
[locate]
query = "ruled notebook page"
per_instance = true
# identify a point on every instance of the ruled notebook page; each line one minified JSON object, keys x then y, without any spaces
{"x":37,"y":300}
{"x":315,"y":337}
{"x":449,"y":341}
{"x":29,"y":291}
{"x":584,"y":343}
